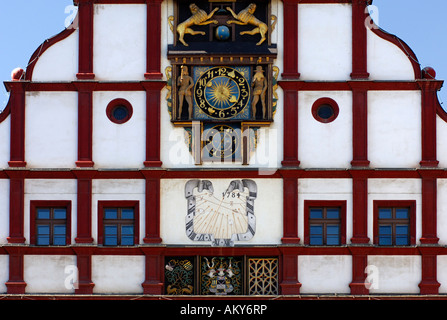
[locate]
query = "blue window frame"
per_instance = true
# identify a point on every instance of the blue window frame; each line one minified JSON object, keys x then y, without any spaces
{"x":394,"y":226}
{"x":51,"y":226}
{"x":325,"y":226}
{"x":119,"y":228}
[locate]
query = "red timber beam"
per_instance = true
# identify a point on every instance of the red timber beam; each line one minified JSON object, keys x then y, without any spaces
{"x":153,"y":53}
{"x":359,"y":40}
{"x":17,"y":91}
{"x":84,"y":205}
{"x":86,"y":20}
{"x":429,"y":103}
{"x":290,"y":40}
{"x":16,"y":283}
{"x":16,"y":205}
{"x":85,"y":123}
{"x":359,"y":123}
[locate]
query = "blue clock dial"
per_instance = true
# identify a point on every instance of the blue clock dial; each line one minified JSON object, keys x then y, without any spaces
{"x":221,"y":92}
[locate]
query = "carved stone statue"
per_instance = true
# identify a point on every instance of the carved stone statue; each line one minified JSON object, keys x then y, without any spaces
{"x":259,"y":86}
{"x":185,"y":84}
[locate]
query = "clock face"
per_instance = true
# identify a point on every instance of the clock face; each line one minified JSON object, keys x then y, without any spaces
{"x":221,"y":92}
{"x":221,"y":142}
{"x":221,"y":217}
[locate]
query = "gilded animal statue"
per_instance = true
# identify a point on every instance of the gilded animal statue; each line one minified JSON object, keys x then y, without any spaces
{"x":199,"y":18}
{"x":246,"y":17}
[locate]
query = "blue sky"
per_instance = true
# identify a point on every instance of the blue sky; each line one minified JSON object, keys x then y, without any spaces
{"x":25,"y":24}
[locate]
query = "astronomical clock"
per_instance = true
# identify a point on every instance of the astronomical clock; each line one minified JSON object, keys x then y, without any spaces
{"x":222,"y":76}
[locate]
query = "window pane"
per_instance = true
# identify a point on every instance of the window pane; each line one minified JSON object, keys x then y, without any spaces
{"x":401,"y":230}
{"x":316,"y":230}
{"x":332,"y":240}
{"x":110,"y":230}
{"x":385,"y":240}
{"x":402,"y":241}
{"x":316,"y":213}
{"x":43,"y":213}
{"x":385,"y":230}
{"x":110,"y":213}
{"x":127,"y":240}
{"x":110,"y":240}
{"x":332,"y":230}
{"x":316,"y":240}
{"x":43,"y":240}
{"x":127,"y":213}
{"x":59,"y":230}
{"x":402,"y":213}
{"x":43,"y":230}
{"x":385,"y":213}
{"x":333,"y":213}
{"x":59,"y":240}
{"x":127,"y":230}
{"x":60,"y":213}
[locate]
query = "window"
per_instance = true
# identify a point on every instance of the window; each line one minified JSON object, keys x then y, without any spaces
{"x":325,"y":223}
{"x":394,"y":223}
{"x":325,"y":110}
{"x":118,"y":223}
{"x":119,"y":111}
{"x":50,"y":223}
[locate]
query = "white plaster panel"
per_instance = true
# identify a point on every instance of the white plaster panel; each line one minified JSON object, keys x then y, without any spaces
{"x":4,"y":210}
{"x":325,"y":145}
{"x":441,"y":142}
{"x":4,"y":272}
{"x":395,"y":274}
{"x":120,"y":41}
{"x":5,"y":142}
{"x":394,"y":129}
{"x":325,"y":41}
{"x":442,"y":273}
{"x":50,"y":189}
{"x":118,"y":274}
{"x":386,"y":61}
{"x":395,"y":189}
{"x":325,"y":189}
{"x":51,"y":129}
{"x":59,"y":62}
{"x":325,"y":274}
{"x":119,"y":145}
{"x":47,"y":273}
{"x":268,"y":211}
{"x":117,"y":190}
{"x":441,"y":218}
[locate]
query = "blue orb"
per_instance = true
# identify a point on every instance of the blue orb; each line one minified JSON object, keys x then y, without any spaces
{"x":222,"y":33}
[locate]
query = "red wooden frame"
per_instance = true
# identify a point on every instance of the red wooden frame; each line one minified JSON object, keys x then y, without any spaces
{"x":308,"y":204}
{"x":115,"y":103}
{"x":411,"y":204}
{"x":134,"y":204}
{"x":322,"y":101}
{"x":35,"y":204}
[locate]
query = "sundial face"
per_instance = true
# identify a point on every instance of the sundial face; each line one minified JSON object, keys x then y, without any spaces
{"x":221,"y":93}
{"x":220,"y":216}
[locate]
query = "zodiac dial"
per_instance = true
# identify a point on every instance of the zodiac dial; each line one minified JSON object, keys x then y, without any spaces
{"x":222,"y":92}
{"x":222,"y":218}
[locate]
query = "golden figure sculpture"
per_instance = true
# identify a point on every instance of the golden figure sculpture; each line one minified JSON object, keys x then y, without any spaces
{"x":259,"y":86}
{"x":199,"y":17}
{"x":185,"y":83}
{"x":246,"y":17}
